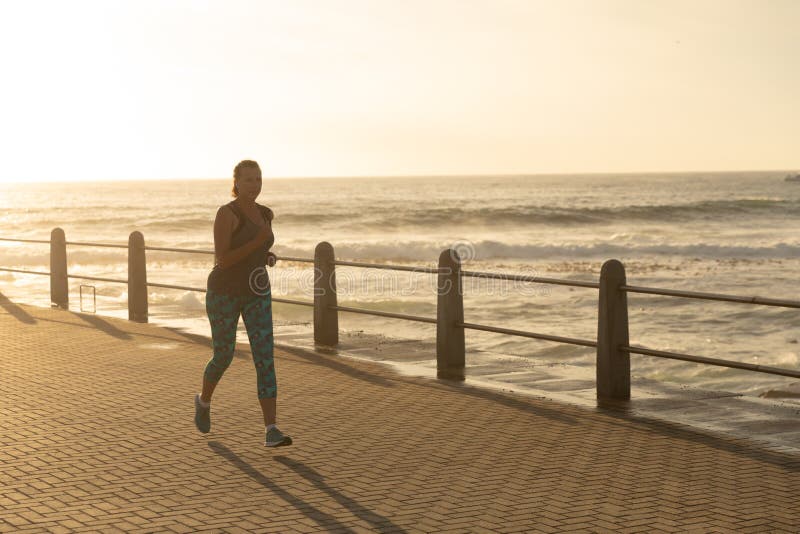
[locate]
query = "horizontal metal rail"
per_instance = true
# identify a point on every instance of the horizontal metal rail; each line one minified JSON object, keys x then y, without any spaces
{"x":712,"y":296}
{"x":25,"y":240}
{"x":292,"y":258}
{"x":99,"y":279}
{"x":203,"y":290}
{"x":290,"y":301}
{"x":86,"y":244}
{"x":546,"y":337}
{"x":528,"y":278}
{"x":712,"y":361}
{"x":67,"y":242}
{"x":385,"y":314}
{"x":188,"y":250}
{"x":211,"y":252}
{"x":23,"y":271}
{"x":431,"y":270}
{"x":170,"y":286}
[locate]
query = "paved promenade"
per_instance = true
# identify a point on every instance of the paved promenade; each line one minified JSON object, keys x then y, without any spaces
{"x":97,"y":434}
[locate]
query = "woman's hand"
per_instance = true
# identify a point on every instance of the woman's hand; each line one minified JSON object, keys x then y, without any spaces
{"x":263,"y":234}
{"x":272,"y":259}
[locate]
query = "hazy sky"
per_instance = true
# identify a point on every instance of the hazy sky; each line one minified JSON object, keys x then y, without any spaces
{"x":179,"y":89}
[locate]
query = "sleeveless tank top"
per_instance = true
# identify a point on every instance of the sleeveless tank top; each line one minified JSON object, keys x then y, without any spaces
{"x":248,"y":277}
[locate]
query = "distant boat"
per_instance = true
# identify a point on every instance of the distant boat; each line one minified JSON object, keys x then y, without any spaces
{"x":793,"y":177}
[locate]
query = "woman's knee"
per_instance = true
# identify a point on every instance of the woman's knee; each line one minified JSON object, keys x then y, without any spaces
{"x":218,"y":364}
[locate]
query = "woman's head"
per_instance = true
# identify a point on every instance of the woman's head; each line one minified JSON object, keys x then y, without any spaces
{"x":246,"y":179}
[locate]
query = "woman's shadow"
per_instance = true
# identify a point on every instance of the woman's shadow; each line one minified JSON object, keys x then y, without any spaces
{"x":325,"y":520}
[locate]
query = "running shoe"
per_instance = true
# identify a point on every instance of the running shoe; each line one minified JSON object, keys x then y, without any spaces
{"x":276,"y":438}
{"x":202,"y":416}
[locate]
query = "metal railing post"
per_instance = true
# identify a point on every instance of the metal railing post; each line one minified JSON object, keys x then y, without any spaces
{"x":59,"y":287}
{"x":449,"y":314}
{"x":137,"y":279}
{"x":613,"y":364}
{"x":326,"y":320}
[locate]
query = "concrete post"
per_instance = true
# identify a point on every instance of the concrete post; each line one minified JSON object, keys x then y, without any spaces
{"x":326,"y":320}
{"x":613,"y":365}
{"x":449,"y":312}
{"x":59,"y":287}
{"x":137,"y":279}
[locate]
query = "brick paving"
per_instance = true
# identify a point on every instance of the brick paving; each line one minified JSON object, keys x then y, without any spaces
{"x":97,"y":434}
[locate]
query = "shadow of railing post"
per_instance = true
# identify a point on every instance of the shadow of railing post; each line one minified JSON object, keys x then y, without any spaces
{"x":137,"y":279}
{"x":449,"y":318}
{"x":613,"y":364}
{"x":326,"y":316}
{"x":59,"y":286}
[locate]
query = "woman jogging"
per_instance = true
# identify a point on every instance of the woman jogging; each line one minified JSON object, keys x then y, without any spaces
{"x":239,"y":285}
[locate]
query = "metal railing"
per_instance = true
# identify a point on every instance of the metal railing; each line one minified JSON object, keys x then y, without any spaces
{"x":612,"y":343}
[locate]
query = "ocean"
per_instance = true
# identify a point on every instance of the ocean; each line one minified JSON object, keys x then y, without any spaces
{"x":733,"y":233}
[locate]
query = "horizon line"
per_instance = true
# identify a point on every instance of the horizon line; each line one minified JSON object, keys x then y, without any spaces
{"x":396,"y":176}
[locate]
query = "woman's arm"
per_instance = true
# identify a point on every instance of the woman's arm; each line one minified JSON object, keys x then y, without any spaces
{"x":272,"y":258}
{"x":224,"y":225}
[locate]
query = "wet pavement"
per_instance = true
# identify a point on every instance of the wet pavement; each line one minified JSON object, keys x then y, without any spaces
{"x":773,"y":421}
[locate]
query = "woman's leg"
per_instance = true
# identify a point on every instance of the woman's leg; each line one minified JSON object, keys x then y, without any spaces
{"x":223,"y":315}
{"x":257,"y":315}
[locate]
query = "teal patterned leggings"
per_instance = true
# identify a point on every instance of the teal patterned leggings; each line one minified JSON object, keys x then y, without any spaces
{"x":223,"y":314}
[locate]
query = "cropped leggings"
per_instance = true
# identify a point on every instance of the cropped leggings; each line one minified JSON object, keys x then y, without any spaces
{"x":223,"y":314}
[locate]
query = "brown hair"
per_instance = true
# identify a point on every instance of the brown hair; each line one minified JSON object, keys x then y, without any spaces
{"x":237,"y":171}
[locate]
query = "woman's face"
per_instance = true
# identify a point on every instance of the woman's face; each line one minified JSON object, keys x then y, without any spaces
{"x":249,"y":183}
